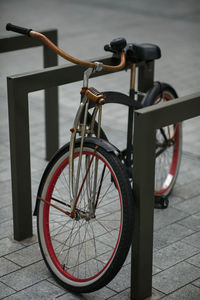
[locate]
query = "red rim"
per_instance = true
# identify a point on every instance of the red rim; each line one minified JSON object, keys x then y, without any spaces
{"x":175,"y":157}
{"x":47,"y":236}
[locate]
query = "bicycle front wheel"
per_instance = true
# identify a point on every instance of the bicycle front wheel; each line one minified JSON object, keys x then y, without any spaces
{"x":168,"y":143}
{"x":85,"y":253}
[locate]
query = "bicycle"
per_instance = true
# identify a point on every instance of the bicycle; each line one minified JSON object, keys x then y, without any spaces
{"x":84,"y":204}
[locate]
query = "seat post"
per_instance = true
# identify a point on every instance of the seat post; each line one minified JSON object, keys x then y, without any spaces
{"x":132,"y":81}
{"x":130,"y":117}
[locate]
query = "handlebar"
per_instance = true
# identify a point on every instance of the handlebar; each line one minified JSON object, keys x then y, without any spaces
{"x":18,"y":29}
{"x":45,"y":40}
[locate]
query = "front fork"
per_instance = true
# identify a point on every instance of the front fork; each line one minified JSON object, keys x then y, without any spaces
{"x":84,"y":129}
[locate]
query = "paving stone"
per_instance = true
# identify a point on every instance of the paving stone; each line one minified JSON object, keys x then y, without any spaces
{"x":5,"y":173}
{"x":158,"y":243}
{"x":5,"y":187}
{"x":31,"y":240}
{"x":196,"y":282}
{"x":187,"y":175}
{"x":42,"y":290}
{"x":192,"y":222}
{"x":4,"y":150}
{"x":191,"y":205}
{"x":5,"y":214}
{"x":53,"y":281}
{"x":5,"y":200}
{"x":128,"y":258}
{"x":193,"y":239}
{"x":122,"y":280}
{"x":6,"y":229}
{"x":26,"y":256}
{"x":187,"y":292}
{"x":156,"y":295}
{"x":173,"y":254}
{"x":175,"y":277}
{"x":173,"y":200}
{"x":162,"y":218}
{"x":69,"y":296}
{"x":125,"y":295}
{"x":37,"y":164}
{"x":195,"y":148}
{"x":5,"y":291}
{"x":103,"y":293}
{"x":26,"y":277}
{"x":7,"y":266}
{"x":128,"y":263}
{"x":195,"y":260}
{"x":188,"y":190}
{"x":156,"y":270}
{"x":7,"y":246}
{"x":171,"y":234}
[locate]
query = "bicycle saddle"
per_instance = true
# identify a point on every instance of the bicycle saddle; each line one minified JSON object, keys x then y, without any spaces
{"x":134,"y":52}
{"x":142,"y":52}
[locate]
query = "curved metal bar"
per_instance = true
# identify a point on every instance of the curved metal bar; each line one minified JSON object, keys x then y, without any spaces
{"x":75,"y":60}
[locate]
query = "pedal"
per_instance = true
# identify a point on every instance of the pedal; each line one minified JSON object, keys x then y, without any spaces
{"x":161,"y":202}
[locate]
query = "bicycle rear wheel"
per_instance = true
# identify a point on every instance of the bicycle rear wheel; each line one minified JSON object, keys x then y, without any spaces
{"x":168,"y":143}
{"x":85,"y":253}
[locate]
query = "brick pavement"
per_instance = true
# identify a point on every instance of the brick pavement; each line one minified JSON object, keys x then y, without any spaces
{"x":174,"y":26}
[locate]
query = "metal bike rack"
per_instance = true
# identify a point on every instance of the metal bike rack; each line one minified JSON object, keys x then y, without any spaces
{"x":19,"y":42}
{"x":146,"y":121}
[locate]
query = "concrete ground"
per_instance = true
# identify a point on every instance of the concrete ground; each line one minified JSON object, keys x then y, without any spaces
{"x":84,"y":27}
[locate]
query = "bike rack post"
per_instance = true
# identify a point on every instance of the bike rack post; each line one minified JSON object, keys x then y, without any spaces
{"x":146,"y":121}
{"x":19,"y":42}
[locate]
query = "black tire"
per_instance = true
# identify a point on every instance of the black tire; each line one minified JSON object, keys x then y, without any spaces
{"x":84,"y":254}
{"x":168,"y":143}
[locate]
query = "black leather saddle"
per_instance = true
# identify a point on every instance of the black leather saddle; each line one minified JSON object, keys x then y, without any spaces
{"x":134,"y":52}
{"x":142,"y":52}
